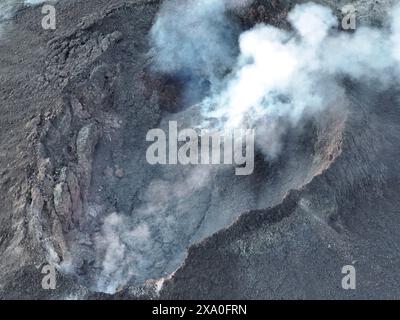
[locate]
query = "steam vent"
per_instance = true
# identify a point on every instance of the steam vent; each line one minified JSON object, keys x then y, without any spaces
{"x":199,"y":149}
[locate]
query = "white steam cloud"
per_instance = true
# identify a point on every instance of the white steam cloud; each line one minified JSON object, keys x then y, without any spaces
{"x":282,"y":77}
{"x":196,"y":36}
{"x":152,"y":241}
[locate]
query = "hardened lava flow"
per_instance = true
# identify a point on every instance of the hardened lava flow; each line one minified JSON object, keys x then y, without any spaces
{"x":77,"y":190}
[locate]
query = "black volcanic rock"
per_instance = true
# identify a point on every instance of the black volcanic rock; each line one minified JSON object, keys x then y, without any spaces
{"x":76,"y":105}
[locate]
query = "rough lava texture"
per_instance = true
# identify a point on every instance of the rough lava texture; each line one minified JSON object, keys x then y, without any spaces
{"x":77,"y":103}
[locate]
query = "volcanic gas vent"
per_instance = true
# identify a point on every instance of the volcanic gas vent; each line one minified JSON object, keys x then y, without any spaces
{"x":117,"y":219}
{"x":126,"y":221}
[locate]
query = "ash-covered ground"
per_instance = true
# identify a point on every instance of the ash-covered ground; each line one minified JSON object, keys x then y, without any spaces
{"x":78,"y":193}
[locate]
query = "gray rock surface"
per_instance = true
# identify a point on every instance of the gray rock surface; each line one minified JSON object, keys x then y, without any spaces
{"x":76,"y":105}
